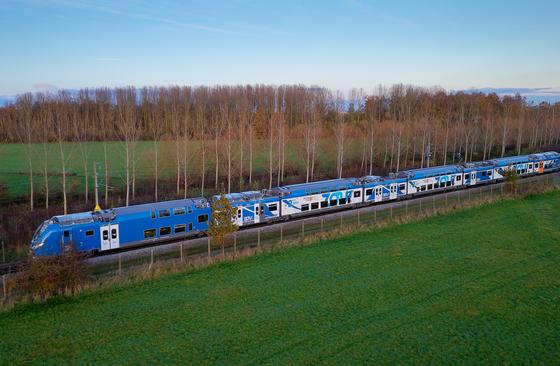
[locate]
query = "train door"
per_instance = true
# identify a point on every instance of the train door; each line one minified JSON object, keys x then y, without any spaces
{"x":258,"y":209}
{"x":393,"y":191}
{"x":67,"y":237}
{"x":110,"y":238}
{"x":473,"y":178}
{"x":239,"y":216}
{"x":541,"y":167}
{"x":378,"y":193}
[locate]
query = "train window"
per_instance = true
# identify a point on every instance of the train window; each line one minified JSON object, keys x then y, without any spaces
{"x":530,"y":166}
{"x":190,"y":226}
{"x":489,"y":173}
{"x":179,"y":211}
{"x":402,"y":187}
{"x":430,"y":186}
{"x":273,"y":207}
{"x":165,"y":230}
{"x":239,"y":213}
{"x":466,"y":176}
{"x":315,"y":205}
{"x":66,"y":233}
{"x":305,"y":207}
{"x":257,"y":210}
{"x":89,"y":232}
{"x":458,"y":178}
{"x":153,"y":214}
{"x":369,"y":191}
{"x":105,"y":234}
{"x":423,"y":188}
{"x":180,"y":228}
{"x":113,"y":233}
{"x":357,"y":194}
{"x":189,"y":209}
{"x":483,"y":174}
{"x":164,"y":213}
{"x":436,"y":185}
{"x":448,"y":183}
{"x":202,"y":218}
{"x":324,"y":204}
{"x":333,"y":202}
{"x":342,"y":201}
{"x":151,"y":233}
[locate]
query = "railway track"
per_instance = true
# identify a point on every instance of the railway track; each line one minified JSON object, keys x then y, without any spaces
{"x":146,"y":250}
{"x":13,"y":267}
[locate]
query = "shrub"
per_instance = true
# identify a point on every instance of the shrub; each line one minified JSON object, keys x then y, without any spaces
{"x":53,"y":275}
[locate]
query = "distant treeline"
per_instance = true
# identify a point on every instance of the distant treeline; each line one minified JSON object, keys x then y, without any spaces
{"x":397,"y":127}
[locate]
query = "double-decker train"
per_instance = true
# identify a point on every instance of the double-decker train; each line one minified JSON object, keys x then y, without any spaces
{"x":125,"y":227}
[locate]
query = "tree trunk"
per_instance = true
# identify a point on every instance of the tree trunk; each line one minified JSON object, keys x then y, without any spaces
{"x":63,"y":163}
{"x":250,"y":153}
{"x":178,"y":164}
{"x":445,"y":143}
{"x":106,"y":161}
{"x":156,"y":173}
{"x":217,"y":160}
{"x":31,"y":185}
{"x":46,"y":173}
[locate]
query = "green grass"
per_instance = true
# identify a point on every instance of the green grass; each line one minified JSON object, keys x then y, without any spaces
{"x":478,"y":286}
{"x":14,"y":168}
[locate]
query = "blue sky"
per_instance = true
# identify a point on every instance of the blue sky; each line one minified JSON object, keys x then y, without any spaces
{"x":338,"y":44}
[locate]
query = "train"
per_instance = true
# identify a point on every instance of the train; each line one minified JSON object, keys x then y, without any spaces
{"x":137,"y":225}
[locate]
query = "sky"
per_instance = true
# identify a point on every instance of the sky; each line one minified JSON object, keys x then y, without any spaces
{"x":454,"y":44}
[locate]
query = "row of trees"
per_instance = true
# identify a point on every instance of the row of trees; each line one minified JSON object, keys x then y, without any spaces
{"x":394,"y":128}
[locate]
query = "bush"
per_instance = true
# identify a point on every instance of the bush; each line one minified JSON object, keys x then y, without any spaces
{"x":511,"y":177}
{"x":53,"y":275}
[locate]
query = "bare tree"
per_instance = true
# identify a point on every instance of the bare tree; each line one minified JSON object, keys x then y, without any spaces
{"x":24,"y":105}
{"x":128,"y":128}
{"x":187,"y":103}
{"x":104,"y":116}
{"x":61,"y":119}
{"x":337,"y":101}
{"x":80,"y":123}
{"x":44,"y":122}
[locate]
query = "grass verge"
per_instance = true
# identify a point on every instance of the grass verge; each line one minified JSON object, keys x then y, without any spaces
{"x":477,"y":286}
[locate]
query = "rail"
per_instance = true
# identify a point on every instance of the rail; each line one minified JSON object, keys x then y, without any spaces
{"x":268,"y":237}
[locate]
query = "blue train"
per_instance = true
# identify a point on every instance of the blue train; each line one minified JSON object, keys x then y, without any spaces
{"x":124,"y":227}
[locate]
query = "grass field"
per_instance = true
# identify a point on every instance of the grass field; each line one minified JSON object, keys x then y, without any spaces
{"x":478,"y":286}
{"x":14,"y":167}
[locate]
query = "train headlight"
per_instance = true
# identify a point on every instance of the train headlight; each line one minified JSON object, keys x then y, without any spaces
{"x":37,"y":245}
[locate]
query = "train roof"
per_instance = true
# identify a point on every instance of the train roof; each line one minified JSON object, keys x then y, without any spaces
{"x":246,"y":196}
{"x":198,"y":202}
{"x":478,"y":164}
{"x":369,"y":179}
{"x":73,"y":219}
{"x":512,"y":160}
{"x":430,"y":172}
{"x":545,"y":155}
{"x":109,"y":214}
{"x":325,"y":186}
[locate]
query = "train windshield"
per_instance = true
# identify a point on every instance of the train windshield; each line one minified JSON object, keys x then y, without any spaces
{"x":41,"y":229}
